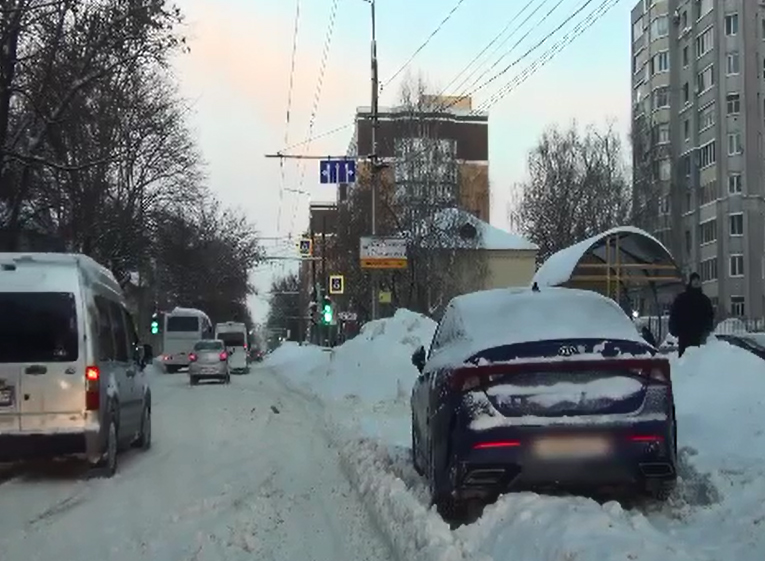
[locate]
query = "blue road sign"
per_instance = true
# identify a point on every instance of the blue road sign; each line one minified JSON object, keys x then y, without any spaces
{"x":306,"y":247}
{"x":337,"y":171}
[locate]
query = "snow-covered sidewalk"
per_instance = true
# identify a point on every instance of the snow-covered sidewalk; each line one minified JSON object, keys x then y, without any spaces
{"x":717,"y":514}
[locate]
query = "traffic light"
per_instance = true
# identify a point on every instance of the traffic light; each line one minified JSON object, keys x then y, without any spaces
{"x":327,"y":311}
{"x":154,"y":324}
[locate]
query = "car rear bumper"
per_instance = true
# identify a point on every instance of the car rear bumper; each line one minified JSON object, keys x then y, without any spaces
{"x":199,"y":371}
{"x":633,"y":457}
{"x":20,"y":446}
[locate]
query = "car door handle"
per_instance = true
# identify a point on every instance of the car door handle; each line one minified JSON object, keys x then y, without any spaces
{"x":36,"y":369}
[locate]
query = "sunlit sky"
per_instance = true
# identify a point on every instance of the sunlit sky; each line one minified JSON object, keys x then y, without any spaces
{"x":237,"y":76}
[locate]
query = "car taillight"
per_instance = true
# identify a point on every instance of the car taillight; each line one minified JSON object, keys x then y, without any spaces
{"x":224,"y":355}
{"x":497,"y":444}
{"x":193,"y":357}
{"x":92,"y":388}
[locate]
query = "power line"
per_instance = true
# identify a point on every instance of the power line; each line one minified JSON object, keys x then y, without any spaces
{"x":317,"y":94}
{"x":566,"y":40}
{"x":424,"y":44}
{"x":538,"y":44}
{"x":462,"y":87}
{"x":289,"y":110}
{"x":487,"y":47}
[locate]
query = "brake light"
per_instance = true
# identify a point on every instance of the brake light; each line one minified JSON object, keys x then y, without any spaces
{"x":193,"y":357}
{"x":92,"y":388}
{"x":647,"y":438}
{"x":224,"y":355}
{"x":497,"y":444}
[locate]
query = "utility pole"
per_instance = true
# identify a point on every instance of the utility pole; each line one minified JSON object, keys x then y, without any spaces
{"x":314,"y":293}
{"x":324,"y":283}
{"x":374,"y":156}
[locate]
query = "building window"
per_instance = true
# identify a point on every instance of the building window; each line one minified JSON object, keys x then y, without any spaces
{"x":734,"y":144}
{"x":665,"y":170}
{"x":736,"y":266}
{"x":637,"y":29}
{"x":731,"y":24}
{"x":705,"y":42}
{"x":662,"y":133}
{"x":733,"y":63}
{"x":702,"y":8}
{"x":687,"y":129}
{"x":706,"y":117}
{"x":708,"y":231}
{"x":685,"y":56}
{"x":660,"y":27}
{"x":736,"y":224}
{"x":660,"y":97}
{"x":686,"y":93}
{"x":705,"y":79}
{"x":737,"y":306}
{"x":660,"y":62}
{"x":708,"y":193}
{"x":734,"y":184}
{"x":707,"y":155}
{"x":733,"y":103}
{"x":688,"y":242}
{"x":708,"y":270}
{"x":664,"y":205}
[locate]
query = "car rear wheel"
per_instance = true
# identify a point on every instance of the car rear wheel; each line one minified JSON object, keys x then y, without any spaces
{"x":107,"y":465}
{"x":144,"y":440}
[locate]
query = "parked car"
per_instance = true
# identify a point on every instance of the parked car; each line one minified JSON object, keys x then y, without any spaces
{"x":72,"y":380}
{"x":209,"y":361}
{"x":752,"y":342}
{"x":532,"y":389}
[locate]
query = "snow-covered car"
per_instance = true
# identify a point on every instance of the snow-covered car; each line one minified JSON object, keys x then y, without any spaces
{"x":531,"y":389}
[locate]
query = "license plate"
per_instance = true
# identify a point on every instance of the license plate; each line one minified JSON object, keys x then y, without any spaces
{"x":6,"y":397}
{"x":572,"y":447}
{"x":209,"y":371}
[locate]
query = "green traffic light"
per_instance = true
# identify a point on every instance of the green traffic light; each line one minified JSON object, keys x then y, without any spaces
{"x":154,"y":328}
{"x":327,"y":314}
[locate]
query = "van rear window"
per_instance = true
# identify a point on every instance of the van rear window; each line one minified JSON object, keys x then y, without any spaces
{"x":38,"y":327}
{"x":183,"y":323}
{"x":232,"y":339}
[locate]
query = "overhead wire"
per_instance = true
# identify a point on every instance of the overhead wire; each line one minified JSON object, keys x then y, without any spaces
{"x":550,"y":53}
{"x":424,"y":44}
{"x":290,"y":90}
{"x":317,"y":96}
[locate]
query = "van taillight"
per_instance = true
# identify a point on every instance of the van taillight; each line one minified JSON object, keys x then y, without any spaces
{"x":224,"y":355}
{"x":92,"y":388}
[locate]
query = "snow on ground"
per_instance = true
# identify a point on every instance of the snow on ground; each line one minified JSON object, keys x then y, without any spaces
{"x":717,"y":513}
{"x":236,"y":472}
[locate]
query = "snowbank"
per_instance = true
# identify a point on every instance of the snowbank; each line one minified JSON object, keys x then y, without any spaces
{"x":716,"y":514}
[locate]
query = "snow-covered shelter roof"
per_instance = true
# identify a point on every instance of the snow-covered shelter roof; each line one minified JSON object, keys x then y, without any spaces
{"x":450,"y":224}
{"x":625,"y":254}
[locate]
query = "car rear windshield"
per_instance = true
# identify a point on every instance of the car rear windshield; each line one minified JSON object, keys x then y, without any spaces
{"x":38,"y":327}
{"x":183,"y":323}
{"x":232,"y":339}
{"x":208,"y":346}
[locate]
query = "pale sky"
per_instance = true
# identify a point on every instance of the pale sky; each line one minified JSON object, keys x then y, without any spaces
{"x":237,"y":75}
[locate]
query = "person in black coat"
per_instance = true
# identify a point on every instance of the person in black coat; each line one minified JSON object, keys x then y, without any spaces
{"x":691,"y":319}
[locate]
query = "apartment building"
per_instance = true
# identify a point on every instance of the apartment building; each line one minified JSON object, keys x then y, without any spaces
{"x":697,"y":111}
{"x":439,"y":145}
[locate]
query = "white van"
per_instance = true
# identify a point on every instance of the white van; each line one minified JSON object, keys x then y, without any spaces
{"x":234,"y":336}
{"x":72,"y":380}
{"x":183,"y":328}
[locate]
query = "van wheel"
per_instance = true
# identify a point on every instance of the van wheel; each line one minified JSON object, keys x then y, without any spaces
{"x":107,"y":465}
{"x":144,"y":440}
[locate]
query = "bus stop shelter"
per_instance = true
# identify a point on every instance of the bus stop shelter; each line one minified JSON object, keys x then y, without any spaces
{"x":626,"y":264}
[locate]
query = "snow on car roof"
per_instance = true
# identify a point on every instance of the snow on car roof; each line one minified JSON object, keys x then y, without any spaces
{"x":505,"y":316}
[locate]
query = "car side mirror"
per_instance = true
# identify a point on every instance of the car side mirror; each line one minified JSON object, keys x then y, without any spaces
{"x":418,"y":358}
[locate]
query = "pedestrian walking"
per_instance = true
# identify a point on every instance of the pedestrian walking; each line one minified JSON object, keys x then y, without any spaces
{"x":691,"y":319}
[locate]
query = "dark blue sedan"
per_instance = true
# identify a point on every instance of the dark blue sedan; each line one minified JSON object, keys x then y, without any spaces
{"x":527,"y":389}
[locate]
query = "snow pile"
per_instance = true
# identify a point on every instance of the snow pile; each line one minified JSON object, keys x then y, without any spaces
{"x":717,"y":512}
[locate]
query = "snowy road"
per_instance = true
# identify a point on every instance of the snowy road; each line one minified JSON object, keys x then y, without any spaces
{"x":237,"y":472}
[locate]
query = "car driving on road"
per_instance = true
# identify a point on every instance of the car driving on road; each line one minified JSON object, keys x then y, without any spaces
{"x":530,"y":389}
{"x":209,"y":361}
{"x":72,"y":379}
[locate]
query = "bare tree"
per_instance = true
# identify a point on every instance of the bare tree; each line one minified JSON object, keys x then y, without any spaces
{"x":578,"y":186}
{"x":284,"y":313}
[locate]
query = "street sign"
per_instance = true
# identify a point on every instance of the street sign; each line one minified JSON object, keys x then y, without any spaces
{"x":382,"y":253}
{"x":337,"y":171}
{"x":336,"y":284}
{"x":306,"y":247}
{"x":347,"y":316}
